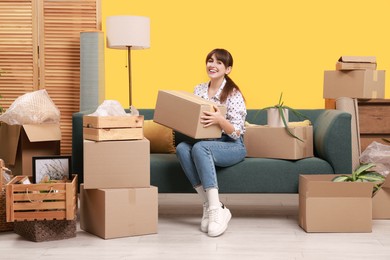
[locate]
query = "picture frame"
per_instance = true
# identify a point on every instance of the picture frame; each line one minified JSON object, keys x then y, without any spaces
{"x":49,"y":168}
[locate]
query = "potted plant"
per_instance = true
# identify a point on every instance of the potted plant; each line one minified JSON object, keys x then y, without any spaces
{"x":363,"y":174}
{"x":277,"y":116}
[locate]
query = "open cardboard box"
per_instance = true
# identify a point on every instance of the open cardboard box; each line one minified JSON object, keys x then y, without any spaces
{"x":19,"y":143}
{"x":182,"y":110}
{"x":381,"y":201}
{"x":274,"y":142}
{"x":356,"y":63}
{"x":327,"y":206}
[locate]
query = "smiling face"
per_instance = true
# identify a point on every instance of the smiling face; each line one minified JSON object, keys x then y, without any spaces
{"x":215,"y":68}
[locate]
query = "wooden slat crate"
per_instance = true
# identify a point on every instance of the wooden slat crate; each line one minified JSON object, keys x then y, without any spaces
{"x":43,"y":201}
{"x":109,"y":128}
{"x":374,"y":121}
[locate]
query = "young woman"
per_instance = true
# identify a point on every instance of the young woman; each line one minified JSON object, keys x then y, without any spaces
{"x":199,"y":160}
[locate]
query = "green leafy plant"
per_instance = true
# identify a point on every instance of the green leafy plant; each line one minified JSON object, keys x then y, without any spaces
{"x":363,"y":174}
{"x":280,"y":107}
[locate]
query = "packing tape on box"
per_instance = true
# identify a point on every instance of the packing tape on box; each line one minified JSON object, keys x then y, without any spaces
{"x":375,"y":75}
{"x":374,"y":94}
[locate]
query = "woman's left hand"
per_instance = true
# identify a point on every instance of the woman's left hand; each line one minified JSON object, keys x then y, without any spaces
{"x":211,"y":118}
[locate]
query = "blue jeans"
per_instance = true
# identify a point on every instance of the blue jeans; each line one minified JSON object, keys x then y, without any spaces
{"x":200,"y":159}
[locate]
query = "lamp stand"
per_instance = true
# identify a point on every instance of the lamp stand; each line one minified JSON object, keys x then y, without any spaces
{"x":129,"y":70}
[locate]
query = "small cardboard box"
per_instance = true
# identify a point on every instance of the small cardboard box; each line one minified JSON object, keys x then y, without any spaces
{"x":381,"y":202}
{"x":20,"y":143}
{"x":354,"y":84}
{"x":114,"y":213}
{"x":105,"y":128}
{"x":356,"y":63}
{"x":274,"y":142}
{"x":327,"y":206}
{"x":116,"y":164}
{"x":182,"y":110}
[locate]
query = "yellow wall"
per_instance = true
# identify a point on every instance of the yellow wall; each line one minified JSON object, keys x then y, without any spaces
{"x":277,"y":46}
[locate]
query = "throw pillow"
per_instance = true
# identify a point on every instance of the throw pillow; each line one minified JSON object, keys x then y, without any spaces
{"x":160,"y":137}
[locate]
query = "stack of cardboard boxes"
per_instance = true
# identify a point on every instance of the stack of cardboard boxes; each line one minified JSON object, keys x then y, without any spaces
{"x":116,"y":198}
{"x":355,"y":77}
{"x":326,"y":206}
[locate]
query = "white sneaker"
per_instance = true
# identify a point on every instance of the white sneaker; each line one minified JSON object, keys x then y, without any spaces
{"x":219,"y":218}
{"x":204,"y":224}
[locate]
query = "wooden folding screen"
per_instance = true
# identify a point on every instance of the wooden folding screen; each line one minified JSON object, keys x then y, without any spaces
{"x":40,"y":49}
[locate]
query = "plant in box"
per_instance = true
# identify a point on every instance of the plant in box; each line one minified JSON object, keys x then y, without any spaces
{"x":277,"y":116}
{"x":363,"y":174}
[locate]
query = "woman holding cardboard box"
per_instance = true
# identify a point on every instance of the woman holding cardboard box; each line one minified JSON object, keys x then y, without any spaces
{"x":200,"y":159}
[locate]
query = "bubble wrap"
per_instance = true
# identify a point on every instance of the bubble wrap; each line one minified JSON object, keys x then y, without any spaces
{"x":32,"y":108}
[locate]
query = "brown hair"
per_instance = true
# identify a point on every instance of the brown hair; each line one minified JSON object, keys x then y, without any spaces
{"x":227,"y":59}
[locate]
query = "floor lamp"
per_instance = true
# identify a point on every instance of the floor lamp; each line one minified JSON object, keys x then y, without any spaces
{"x":128,"y":33}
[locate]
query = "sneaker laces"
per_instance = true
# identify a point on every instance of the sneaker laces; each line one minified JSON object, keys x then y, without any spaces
{"x":213,"y":215}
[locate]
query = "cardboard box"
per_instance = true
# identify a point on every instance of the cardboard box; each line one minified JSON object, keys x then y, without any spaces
{"x":274,"y":142}
{"x":116,"y":164}
{"x":20,"y":143}
{"x":182,"y":110}
{"x":354,"y":84}
{"x":326,"y":206}
{"x":356,"y":63}
{"x":381,"y":202}
{"x":114,"y":213}
{"x":106,"y":128}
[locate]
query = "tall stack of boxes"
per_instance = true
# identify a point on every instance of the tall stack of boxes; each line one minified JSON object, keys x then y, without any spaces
{"x":352,"y":205}
{"x":116,"y":198}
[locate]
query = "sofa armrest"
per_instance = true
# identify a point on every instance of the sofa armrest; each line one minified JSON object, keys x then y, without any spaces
{"x":332,"y":140}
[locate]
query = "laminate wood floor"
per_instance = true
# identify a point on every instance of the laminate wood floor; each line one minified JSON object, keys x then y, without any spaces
{"x":264,"y":226}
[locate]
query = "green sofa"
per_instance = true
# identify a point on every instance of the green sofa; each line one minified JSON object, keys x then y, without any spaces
{"x":332,"y":155}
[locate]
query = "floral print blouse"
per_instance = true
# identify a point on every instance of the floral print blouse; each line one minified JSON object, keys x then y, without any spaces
{"x":235,"y":106}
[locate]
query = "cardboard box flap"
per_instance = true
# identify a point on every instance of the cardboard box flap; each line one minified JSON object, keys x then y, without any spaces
{"x":357,"y":59}
{"x":9,"y":140}
{"x":43,"y":132}
{"x":323,"y":186}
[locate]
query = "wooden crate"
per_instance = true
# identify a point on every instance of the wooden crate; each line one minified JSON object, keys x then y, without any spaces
{"x":374,"y":121}
{"x":110,"y":128}
{"x":43,"y":201}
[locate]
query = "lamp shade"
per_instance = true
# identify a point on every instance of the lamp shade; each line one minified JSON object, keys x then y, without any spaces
{"x":128,"y":31}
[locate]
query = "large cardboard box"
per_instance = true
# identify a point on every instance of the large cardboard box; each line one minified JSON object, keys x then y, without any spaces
{"x":354,"y":84}
{"x":114,"y":213}
{"x":19,"y":143}
{"x":274,"y":142}
{"x":182,"y":110}
{"x":356,"y":63}
{"x":108,"y":128}
{"x":381,"y":201}
{"x":116,"y":164}
{"x":326,"y":206}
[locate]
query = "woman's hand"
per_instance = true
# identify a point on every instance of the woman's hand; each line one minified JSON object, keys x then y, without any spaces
{"x":211,"y":118}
